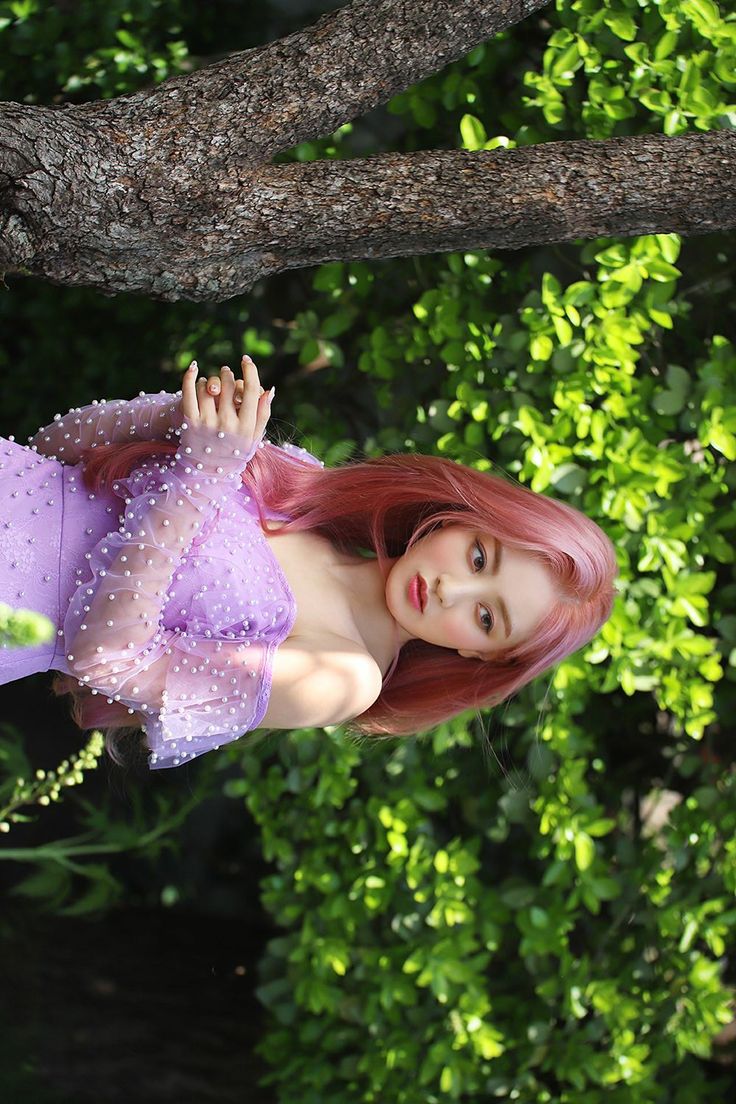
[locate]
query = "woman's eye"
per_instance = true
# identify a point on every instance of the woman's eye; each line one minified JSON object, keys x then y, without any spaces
{"x":479,"y":556}
{"x":486,"y":620}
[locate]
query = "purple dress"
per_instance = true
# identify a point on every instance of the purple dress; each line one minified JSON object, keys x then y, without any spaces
{"x":163,"y":589}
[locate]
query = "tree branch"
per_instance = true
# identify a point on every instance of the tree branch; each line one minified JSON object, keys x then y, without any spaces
{"x":259,"y":102}
{"x":402,"y":204}
{"x":168,"y":193}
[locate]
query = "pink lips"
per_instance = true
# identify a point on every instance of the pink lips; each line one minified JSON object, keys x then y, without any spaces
{"x":418,"y":593}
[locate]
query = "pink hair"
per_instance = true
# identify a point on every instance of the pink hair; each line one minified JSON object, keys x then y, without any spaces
{"x":386,"y":504}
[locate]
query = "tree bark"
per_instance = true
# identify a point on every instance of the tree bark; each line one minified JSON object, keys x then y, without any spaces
{"x":171,"y":192}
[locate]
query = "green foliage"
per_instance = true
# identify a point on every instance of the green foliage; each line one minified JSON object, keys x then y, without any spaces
{"x":567,"y":392}
{"x":624,"y":66}
{"x":23,"y":628}
{"x":450,"y":934}
{"x":88,"y":50}
{"x":17,"y":791}
{"x":446,"y":931}
{"x":73,"y":876}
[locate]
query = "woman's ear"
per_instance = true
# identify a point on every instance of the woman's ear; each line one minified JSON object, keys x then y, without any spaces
{"x":471,"y":655}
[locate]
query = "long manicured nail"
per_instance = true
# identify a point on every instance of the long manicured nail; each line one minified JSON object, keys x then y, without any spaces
{"x":193,"y":366}
{"x":271,"y":394}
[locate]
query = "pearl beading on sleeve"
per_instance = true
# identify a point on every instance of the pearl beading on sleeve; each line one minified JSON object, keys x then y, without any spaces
{"x":146,"y":418}
{"x":198,"y":671}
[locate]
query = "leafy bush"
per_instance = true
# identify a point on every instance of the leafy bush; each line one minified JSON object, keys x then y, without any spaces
{"x":540,"y":930}
{"x":455,"y":935}
{"x":87,"y":50}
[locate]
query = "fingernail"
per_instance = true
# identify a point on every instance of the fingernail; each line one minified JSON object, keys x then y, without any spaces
{"x":271,"y":394}
{"x":193,"y":366}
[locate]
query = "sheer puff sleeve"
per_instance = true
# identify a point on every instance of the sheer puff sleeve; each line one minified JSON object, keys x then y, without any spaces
{"x":194,"y":658}
{"x":147,"y":417}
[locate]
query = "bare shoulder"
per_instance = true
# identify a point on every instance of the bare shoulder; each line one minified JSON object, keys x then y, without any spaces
{"x":320,"y":681}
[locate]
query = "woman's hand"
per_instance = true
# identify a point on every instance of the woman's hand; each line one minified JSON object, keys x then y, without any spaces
{"x":243,"y":407}
{"x":213,"y":388}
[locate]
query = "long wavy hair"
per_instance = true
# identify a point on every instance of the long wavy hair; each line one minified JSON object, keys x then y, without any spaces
{"x":386,"y":505}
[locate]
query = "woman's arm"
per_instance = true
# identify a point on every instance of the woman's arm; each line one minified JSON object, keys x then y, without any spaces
{"x":148,"y":417}
{"x":110,"y":421}
{"x":196,"y":691}
{"x":115,"y":623}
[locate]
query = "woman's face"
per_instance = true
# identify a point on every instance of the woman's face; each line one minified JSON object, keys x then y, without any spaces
{"x":462,"y":589}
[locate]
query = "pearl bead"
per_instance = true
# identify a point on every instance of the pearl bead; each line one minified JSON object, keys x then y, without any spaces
{"x":218,"y":611}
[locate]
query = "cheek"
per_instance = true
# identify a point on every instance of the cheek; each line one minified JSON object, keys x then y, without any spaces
{"x":461,"y":631}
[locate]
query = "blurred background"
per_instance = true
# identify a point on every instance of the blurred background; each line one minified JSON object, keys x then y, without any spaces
{"x":535,"y":904}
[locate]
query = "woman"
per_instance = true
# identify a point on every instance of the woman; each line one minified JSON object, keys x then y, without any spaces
{"x":247,"y":586}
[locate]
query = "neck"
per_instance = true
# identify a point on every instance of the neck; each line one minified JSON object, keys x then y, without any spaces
{"x":365,"y":582}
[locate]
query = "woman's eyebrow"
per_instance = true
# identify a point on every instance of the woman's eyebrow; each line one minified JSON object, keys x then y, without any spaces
{"x":497,"y":557}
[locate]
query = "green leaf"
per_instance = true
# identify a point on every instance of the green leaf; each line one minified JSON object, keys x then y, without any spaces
{"x":584,"y":850}
{"x":725,"y":442}
{"x":666,"y":45}
{"x":100,"y":894}
{"x":328,"y":277}
{"x":337,"y":323}
{"x":661,"y":318}
{"x":541,"y":347}
{"x":678,"y":379}
{"x":668,"y":403}
{"x":554,"y":111}
{"x":473,"y":133}
{"x":656,"y":99}
{"x":569,"y":478}
{"x":669,"y":246}
{"x":662,"y":270}
{"x":127,"y":39}
{"x":600,"y":827}
{"x":50,"y":883}
{"x":615,"y":256}
{"x":566,"y":63}
{"x":622,"y":25}
{"x":563,"y":329}
{"x":704,"y":14}
{"x":310,"y":351}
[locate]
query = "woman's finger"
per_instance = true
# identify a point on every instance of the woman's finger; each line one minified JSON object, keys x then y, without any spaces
{"x":189,"y":403}
{"x":264,"y":413}
{"x":248,"y":412}
{"x":227,"y":388}
{"x":207,"y":408}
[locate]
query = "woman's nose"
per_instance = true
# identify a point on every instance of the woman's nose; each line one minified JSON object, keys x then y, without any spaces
{"x":447,"y":590}
{"x":451,"y":590}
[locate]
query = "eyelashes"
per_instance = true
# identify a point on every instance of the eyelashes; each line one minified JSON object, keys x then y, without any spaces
{"x":480,"y":560}
{"x":486,"y":620}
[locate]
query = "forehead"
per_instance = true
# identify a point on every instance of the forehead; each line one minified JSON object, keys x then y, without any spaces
{"x":458,"y":533}
{"x":523,"y":579}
